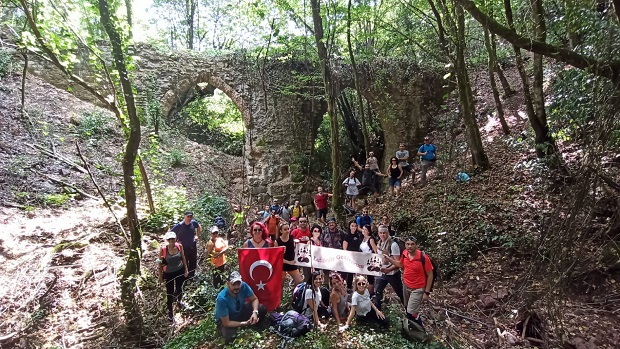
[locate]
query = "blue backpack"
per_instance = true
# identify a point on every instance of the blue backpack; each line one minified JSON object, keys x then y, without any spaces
{"x":298,"y":296}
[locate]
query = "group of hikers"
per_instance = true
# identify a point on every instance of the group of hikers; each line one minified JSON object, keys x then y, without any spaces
{"x":341,"y":295}
{"x":397,"y":171}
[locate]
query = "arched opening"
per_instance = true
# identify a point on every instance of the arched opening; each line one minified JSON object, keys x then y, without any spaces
{"x":208,"y":116}
{"x":350,"y":136}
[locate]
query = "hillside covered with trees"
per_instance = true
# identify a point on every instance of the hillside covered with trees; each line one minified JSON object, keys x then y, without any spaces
{"x":523,"y":96}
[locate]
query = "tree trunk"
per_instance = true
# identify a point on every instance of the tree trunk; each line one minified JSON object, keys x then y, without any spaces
{"x":22,"y":108}
{"x":466,"y":98}
{"x":331,"y":103}
{"x":190,"y":11}
{"x":360,"y":100}
{"x":132,"y":268}
{"x":491,"y":68}
{"x":129,"y":9}
{"x":508,"y":91}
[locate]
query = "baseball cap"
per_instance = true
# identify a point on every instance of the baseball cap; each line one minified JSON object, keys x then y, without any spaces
{"x":293,"y":219}
{"x":170,"y":235}
{"x":189,"y":213}
{"x":331,"y":219}
{"x":214,"y":229}
{"x":234,"y":277}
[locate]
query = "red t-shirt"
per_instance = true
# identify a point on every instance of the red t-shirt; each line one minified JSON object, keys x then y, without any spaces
{"x":302,"y":235}
{"x":320,"y":200}
{"x":272,"y":224}
{"x":414,"y":275}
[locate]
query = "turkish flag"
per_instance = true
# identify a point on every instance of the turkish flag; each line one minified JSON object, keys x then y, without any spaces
{"x":261,"y":268}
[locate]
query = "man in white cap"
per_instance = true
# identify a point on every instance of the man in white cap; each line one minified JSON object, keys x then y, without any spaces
{"x":231,"y":309}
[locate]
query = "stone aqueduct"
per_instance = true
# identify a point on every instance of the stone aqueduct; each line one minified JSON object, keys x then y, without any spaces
{"x":281,"y":119}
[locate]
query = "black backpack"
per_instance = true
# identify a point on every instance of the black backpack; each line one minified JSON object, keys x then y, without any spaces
{"x":435,"y":272}
{"x":299,"y":293}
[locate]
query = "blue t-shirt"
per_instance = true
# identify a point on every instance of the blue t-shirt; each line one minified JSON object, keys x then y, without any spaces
{"x":227,"y":305}
{"x":363,"y":220}
{"x":431,"y":149}
{"x":186,"y":233}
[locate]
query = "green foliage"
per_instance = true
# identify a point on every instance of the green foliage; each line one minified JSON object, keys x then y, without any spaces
{"x":579,"y":99}
{"x":215,"y":121}
{"x":6,"y":62}
{"x":95,"y":124}
{"x":176,"y":157}
{"x":56,"y":199}
{"x":193,"y":337}
{"x":208,"y":206}
{"x":170,"y":204}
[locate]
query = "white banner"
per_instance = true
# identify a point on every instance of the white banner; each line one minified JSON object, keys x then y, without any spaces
{"x":334,"y":259}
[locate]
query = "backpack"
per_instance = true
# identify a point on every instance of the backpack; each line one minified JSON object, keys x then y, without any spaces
{"x":292,"y":325}
{"x":414,"y":332}
{"x":435,"y":273}
{"x":298,"y":296}
{"x":401,"y":244}
{"x":219,"y":222}
{"x":165,"y":252}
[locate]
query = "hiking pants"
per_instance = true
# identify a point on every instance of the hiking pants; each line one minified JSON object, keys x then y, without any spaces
{"x":414,"y":298}
{"x":397,"y":285}
{"x":174,"y":288}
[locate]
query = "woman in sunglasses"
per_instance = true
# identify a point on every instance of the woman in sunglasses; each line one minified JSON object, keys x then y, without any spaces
{"x":314,"y":307}
{"x":338,"y":297}
{"x":288,"y":267}
{"x":369,"y":245}
{"x":361,"y":306}
{"x":260,"y":236}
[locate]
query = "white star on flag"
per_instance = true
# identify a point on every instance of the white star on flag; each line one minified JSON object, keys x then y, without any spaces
{"x":261,"y":285}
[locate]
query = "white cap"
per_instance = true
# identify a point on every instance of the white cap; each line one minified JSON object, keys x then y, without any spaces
{"x":214,"y":229}
{"x":170,"y":235}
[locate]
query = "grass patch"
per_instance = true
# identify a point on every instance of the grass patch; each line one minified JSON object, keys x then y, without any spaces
{"x":68,"y":245}
{"x":56,"y":199}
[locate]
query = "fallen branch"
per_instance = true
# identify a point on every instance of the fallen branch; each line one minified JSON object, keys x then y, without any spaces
{"x":105,"y":201}
{"x":58,"y":181}
{"x":57,"y":157}
{"x":12,"y":204}
{"x":610,"y":182}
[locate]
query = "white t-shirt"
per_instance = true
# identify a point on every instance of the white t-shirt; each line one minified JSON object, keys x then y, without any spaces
{"x":309,"y":295}
{"x":361,"y":302}
{"x":353,"y":183}
{"x":394,"y":251}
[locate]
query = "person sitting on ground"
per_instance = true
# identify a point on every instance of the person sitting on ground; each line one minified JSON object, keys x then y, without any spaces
{"x":395,"y":172}
{"x":320,"y":203}
{"x":352,"y":184}
{"x":314,"y":307}
{"x":297,"y":210}
{"x":361,"y":306}
{"x":288,"y":267}
{"x":369,"y":245}
{"x":173,"y":270}
{"x":231,"y":309}
{"x":403,"y":159}
{"x":428,"y":152}
{"x":338,"y":297}
{"x":390,"y":274}
{"x":216,"y":249}
{"x":260,"y":237}
{"x":369,"y":181}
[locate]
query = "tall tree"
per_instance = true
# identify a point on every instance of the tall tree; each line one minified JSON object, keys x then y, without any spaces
{"x":132,"y":267}
{"x":491,"y":69}
{"x":330,"y":96}
{"x":360,"y":100}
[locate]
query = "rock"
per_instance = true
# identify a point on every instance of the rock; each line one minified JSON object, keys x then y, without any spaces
{"x":488,"y":302}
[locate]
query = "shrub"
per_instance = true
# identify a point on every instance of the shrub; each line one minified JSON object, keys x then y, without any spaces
{"x":95,"y":124}
{"x":56,"y":199}
{"x":208,"y":206}
{"x":170,"y":203}
{"x":6,"y":64}
{"x":177,"y":157}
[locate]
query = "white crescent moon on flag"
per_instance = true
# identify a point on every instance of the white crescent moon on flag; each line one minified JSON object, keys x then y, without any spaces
{"x":260,"y":263}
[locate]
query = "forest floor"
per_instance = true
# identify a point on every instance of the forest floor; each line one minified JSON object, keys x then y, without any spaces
{"x":61,"y":258}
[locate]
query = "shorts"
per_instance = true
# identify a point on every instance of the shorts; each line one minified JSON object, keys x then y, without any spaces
{"x":321,"y":213}
{"x":394,"y":182}
{"x":352,"y":197}
{"x":407,"y":167}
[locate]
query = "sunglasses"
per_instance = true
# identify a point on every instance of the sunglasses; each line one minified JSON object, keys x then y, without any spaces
{"x":303,"y":221}
{"x":361,"y":284}
{"x":257,"y":229}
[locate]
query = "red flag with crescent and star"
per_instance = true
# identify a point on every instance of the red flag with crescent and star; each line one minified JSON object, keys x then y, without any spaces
{"x":261,"y":268}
